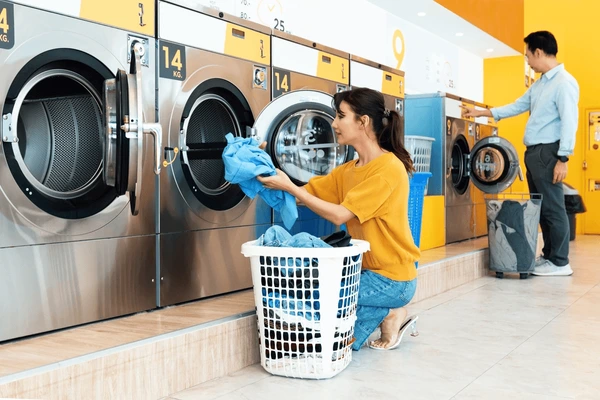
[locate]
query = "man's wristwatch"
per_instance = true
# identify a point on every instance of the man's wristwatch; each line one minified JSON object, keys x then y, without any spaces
{"x":563,"y":159}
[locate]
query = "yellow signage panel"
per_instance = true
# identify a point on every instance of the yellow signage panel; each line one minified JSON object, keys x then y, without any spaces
{"x":130,"y":15}
{"x":247,"y":44}
{"x":392,"y":84}
{"x":333,"y":68}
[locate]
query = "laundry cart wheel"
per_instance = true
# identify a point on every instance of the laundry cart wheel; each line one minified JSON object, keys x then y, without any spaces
{"x":523,"y":275}
{"x":500,"y":275}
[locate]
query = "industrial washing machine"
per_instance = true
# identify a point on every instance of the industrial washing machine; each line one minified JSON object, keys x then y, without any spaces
{"x":297,"y":123}
{"x":213,"y":80}
{"x":77,"y":204}
{"x":388,"y":81}
{"x":458,"y":159}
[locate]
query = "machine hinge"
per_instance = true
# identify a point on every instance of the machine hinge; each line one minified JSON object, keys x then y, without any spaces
{"x":8,"y":135}
{"x":144,"y":46}
{"x":252,"y":132}
{"x":400,"y":107}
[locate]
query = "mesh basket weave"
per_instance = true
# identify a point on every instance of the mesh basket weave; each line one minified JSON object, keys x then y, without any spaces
{"x":419,"y":148}
{"x":306,"y":307}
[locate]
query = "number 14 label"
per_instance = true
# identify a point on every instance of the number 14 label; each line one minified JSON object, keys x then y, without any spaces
{"x":172,"y":61}
{"x":282,"y":82}
{"x":7,"y":25}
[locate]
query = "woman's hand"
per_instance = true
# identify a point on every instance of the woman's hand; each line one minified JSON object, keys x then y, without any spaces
{"x":278,"y":182}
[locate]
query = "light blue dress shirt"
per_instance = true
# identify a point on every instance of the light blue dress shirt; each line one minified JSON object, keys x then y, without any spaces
{"x":553,"y":103}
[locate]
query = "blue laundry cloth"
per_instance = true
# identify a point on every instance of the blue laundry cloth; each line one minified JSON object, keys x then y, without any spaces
{"x":292,"y":307}
{"x":244,"y":161}
{"x":276,"y":236}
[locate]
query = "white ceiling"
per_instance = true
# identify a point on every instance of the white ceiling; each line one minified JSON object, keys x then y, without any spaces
{"x":444,"y":23}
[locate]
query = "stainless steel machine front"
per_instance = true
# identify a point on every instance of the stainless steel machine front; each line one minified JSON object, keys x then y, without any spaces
{"x":213,"y":80}
{"x":297,"y":123}
{"x":491,"y":164}
{"x":77,"y":203}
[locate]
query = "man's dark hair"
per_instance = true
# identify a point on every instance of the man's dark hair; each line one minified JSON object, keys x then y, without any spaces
{"x":542,"y":40}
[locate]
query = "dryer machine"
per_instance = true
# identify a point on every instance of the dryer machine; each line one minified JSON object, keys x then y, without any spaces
{"x":458,"y":159}
{"x":491,"y":164}
{"x":297,"y":123}
{"x":77,"y":206}
{"x":213,"y":80}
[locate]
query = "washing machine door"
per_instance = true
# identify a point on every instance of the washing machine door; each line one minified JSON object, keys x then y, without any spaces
{"x":124,"y":133}
{"x":300,"y":138}
{"x":494,"y":164}
{"x":52,"y":142}
{"x":213,"y":115}
{"x":458,"y":164}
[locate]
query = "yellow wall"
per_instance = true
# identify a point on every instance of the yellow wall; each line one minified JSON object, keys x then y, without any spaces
{"x":573,"y":24}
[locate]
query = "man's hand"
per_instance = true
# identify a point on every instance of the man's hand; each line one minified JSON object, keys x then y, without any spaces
{"x":263,"y":145}
{"x":560,"y":172}
{"x":469,"y":112}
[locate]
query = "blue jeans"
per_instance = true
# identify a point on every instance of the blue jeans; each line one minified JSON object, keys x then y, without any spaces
{"x":376,"y":296}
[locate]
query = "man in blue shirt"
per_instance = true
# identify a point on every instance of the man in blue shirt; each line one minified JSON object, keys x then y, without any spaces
{"x":550,"y":138}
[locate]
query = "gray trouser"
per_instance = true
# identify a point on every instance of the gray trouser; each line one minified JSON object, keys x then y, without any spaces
{"x":540,"y":161}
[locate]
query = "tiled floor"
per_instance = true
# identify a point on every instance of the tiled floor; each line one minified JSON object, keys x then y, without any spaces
{"x":490,"y":339}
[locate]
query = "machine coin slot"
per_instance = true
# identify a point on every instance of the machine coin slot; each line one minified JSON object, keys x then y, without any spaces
{"x":7,"y":26}
{"x":238,"y":33}
{"x":326,"y":59}
{"x":388,"y":77}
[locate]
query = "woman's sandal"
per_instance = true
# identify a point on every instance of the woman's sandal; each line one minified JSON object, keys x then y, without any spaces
{"x":409,"y":322}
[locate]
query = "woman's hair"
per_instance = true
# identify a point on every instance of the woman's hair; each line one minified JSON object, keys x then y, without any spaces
{"x":386,"y":123}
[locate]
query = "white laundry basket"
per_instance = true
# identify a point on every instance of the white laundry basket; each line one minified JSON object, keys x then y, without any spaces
{"x":306,"y":307}
{"x":419,"y":148}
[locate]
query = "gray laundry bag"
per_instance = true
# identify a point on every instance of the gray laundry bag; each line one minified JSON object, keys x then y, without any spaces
{"x":513,"y":221}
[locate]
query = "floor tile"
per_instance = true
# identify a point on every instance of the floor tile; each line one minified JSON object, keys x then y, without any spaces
{"x":532,"y":339}
{"x":479,"y":391}
{"x":218,"y":388}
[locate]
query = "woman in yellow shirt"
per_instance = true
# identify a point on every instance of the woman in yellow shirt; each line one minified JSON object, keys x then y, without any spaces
{"x":369,"y":195}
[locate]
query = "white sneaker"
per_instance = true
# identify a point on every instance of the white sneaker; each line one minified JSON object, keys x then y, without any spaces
{"x":539,"y":261}
{"x":549,"y":269}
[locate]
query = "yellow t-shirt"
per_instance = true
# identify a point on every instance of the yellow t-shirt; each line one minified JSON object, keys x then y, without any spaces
{"x":377,"y":193}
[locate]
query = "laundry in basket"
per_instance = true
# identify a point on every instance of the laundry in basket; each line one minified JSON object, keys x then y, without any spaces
{"x":306,"y":306}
